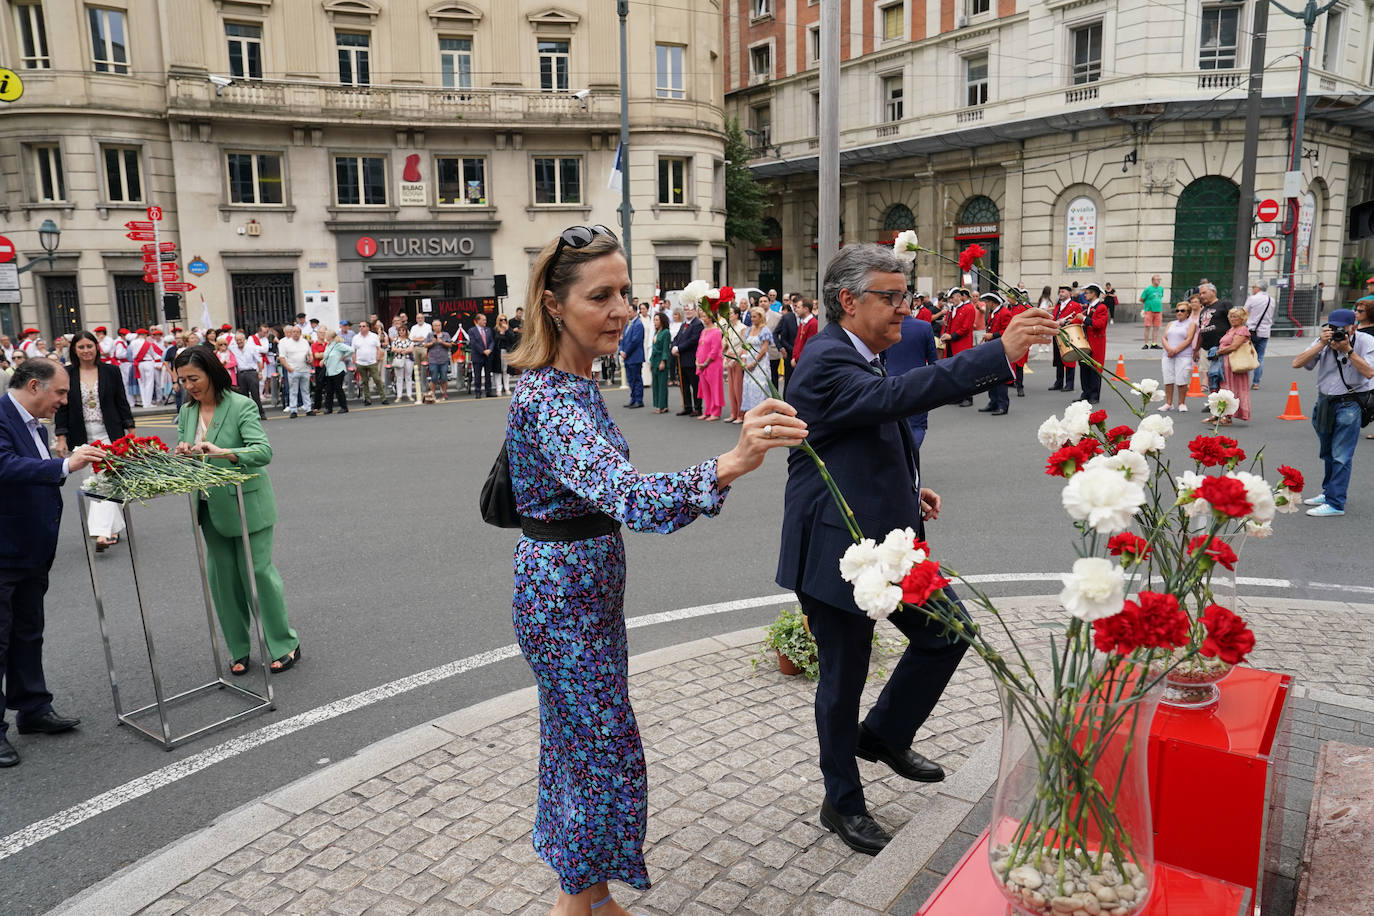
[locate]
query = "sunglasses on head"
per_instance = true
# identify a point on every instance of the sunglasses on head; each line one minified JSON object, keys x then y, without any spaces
{"x":577,"y":237}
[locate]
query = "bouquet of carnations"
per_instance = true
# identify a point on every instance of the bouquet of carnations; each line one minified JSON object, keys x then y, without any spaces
{"x":142,"y":467}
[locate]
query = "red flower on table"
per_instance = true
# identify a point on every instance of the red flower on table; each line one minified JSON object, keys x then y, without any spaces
{"x":1218,"y":551}
{"x":1227,"y":496}
{"x":1215,"y":451}
{"x":1292,"y":478}
{"x":969,"y":255}
{"x":921,"y":582}
{"x":1132,"y":548}
{"x":1228,"y":638}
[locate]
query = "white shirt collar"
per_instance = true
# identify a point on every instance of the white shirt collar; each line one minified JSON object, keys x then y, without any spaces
{"x":24,"y":415}
{"x":859,"y":345}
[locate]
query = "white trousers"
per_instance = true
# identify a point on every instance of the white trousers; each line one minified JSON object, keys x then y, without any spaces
{"x":150,"y":381}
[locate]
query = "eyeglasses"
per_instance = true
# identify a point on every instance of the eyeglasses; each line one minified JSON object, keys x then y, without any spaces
{"x":895,"y":298}
{"x":577,"y":237}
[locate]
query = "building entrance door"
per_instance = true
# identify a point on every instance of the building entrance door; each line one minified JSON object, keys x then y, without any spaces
{"x":1205,"y":236}
{"x":392,"y":296}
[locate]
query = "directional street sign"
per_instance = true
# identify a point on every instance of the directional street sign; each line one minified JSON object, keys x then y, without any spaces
{"x":140,"y":235}
{"x":150,"y":257}
{"x":1268,"y":210}
{"x":7,"y":250}
{"x":179,"y":287}
{"x":163,"y":246}
{"x":168,"y":272}
{"x":136,"y":224}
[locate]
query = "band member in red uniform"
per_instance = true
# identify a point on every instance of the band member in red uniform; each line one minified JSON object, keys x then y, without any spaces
{"x":958,"y":328}
{"x":1094,"y":320}
{"x":1065,"y":311}
{"x":998,"y":317}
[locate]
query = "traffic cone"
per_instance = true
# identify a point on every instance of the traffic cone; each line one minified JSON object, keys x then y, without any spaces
{"x":1121,"y":367}
{"x":1195,"y":387}
{"x":1293,"y":409}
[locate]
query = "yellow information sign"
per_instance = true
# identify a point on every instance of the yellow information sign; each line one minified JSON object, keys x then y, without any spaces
{"x":11,"y":86}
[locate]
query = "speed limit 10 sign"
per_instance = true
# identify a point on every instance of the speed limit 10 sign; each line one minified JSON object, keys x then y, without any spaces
{"x":1264,"y":249}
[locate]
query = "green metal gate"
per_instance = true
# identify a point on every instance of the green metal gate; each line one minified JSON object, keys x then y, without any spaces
{"x":1205,"y":235}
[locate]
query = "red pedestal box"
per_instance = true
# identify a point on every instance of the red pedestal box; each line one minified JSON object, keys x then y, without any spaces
{"x":1211,"y":778}
{"x":970,"y":890}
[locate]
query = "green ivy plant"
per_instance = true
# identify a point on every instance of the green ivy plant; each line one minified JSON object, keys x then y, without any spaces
{"x":789,"y":635}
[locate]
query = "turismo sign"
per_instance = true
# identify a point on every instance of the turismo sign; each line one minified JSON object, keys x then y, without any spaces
{"x":413,"y":246}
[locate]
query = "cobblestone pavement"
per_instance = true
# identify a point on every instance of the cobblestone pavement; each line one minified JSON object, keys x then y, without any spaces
{"x":734,"y":793}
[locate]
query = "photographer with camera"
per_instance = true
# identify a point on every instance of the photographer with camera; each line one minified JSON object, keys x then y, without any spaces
{"x":1344,"y":362}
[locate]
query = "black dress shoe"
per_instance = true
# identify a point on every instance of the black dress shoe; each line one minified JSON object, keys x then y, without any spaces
{"x":966,"y":402}
{"x":9,"y":757}
{"x":50,"y":723}
{"x":1056,"y":388}
{"x":998,"y":413}
{"x":860,"y":832}
{"x":1020,"y":392}
{"x":987,"y":409}
{"x":684,"y":413}
{"x":632,"y":405}
{"x":906,"y":763}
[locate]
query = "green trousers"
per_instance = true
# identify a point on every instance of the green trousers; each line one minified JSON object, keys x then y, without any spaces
{"x":660,"y":382}
{"x":228,"y":575}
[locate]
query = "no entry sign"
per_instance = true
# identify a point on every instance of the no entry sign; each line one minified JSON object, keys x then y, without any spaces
{"x":1268,"y":210}
{"x":6,"y":250}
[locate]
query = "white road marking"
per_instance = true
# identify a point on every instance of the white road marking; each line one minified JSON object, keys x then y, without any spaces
{"x":79,"y":813}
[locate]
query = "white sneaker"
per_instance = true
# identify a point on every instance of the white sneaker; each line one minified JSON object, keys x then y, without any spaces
{"x":1165,"y":408}
{"x":1325,"y":511}
{"x":1183,"y":408}
{"x":1318,"y":500}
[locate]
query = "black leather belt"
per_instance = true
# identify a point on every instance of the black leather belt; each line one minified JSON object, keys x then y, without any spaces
{"x":569,"y":529}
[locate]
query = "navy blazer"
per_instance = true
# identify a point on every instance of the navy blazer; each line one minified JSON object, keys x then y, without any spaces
{"x":632,"y":341}
{"x":30,"y":496}
{"x":855,"y":417}
{"x":686,"y":341}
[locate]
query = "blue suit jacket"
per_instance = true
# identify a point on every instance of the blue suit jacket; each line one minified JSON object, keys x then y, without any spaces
{"x":632,"y":341}
{"x":855,"y":416}
{"x":30,"y":496}
{"x":914,"y":350}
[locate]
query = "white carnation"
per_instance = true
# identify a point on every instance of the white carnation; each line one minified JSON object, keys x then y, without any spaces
{"x":1158,"y":423}
{"x":1130,"y":463}
{"x":1285,"y":500}
{"x":1188,"y":483}
{"x":1149,"y":389}
{"x":1145,"y":441}
{"x":1076,"y":419}
{"x":1103,"y":498}
{"x":897,"y":555}
{"x":905,"y":244}
{"x":1052,"y":434}
{"x":876,"y":596}
{"x":1095,"y":589}
{"x":694,"y":292}
{"x":1261,"y":496}
{"x":1222,"y":403}
{"x":1259,"y":531}
{"x":857,"y":558}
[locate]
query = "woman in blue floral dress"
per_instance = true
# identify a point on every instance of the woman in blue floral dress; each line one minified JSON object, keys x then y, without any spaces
{"x":574,"y":487}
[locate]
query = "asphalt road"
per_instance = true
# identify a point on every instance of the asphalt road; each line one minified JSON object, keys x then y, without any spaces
{"x":389,"y":573}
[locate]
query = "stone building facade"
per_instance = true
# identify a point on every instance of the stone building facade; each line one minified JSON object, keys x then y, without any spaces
{"x":1073,"y":139}
{"x":342,"y":157}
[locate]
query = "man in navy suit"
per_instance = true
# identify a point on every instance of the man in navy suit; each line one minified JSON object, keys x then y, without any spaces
{"x":482,"y":344}
{"x":30,"y":513}
{"x":914,"y":350}
{"x":685,"y":352}
{"x":855,"y":412}
{"x":632,"y":355}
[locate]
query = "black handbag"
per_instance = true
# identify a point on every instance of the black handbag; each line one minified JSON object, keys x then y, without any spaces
{"x":498,"y":495}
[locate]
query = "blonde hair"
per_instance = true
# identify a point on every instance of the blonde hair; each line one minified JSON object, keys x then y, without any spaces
{"x":758,"y":318}
{"x":1244,"y":313}
{"x":539,"y":336}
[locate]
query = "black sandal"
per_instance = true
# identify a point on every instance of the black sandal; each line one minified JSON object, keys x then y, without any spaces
{"x":239,"y":667}
{"x":286,"y":662}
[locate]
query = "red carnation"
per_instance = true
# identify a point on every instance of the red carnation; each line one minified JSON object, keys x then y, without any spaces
{"x":1068,"y":460}
{"x":1218,"y":551}
{"x":1292,"y":478}
{"x":1097,"y":418}
{"x":1131,"y":547}
{"x":1120,"y":632}
{"x":923,"y":581}
{"x":969,"y":255}
{"x":1228,"y":638}
{"x":1121,"y":433}
{"x":1214,"y":451}
{"x":1162,"y":624}
{"x":919,"y":544}
{"x":1227,"y":496}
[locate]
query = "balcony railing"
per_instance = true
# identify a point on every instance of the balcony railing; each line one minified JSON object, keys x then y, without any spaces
{"x":390,"y":103}
{"x":1218,"y":80}
{"x":1081,"y":94}
{"x":969,"y":115}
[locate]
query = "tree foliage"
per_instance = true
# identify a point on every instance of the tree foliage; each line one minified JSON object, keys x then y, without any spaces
{"x":744,"y":197}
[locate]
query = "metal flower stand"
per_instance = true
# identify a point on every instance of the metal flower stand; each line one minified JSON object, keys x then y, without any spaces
{"x":162,"y":703}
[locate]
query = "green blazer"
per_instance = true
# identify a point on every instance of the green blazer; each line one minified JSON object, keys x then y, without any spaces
{"x":235,"y":426}
{"x":662,"y":350}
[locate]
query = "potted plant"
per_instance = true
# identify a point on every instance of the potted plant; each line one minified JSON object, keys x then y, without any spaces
{"x":790,"y":638}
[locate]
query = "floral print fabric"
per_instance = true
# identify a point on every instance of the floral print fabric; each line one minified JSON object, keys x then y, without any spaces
{"x":567,"y":459}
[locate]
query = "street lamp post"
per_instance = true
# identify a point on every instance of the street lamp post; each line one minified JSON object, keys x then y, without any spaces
{"x":623,"y":10}
{"x":48,"y":236}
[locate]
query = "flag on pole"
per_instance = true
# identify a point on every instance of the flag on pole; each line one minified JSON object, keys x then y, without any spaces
{"x":618,"y":171}
{"x":204,"y":312}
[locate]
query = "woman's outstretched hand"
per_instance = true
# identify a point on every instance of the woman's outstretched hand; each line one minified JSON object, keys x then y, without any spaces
{"x":771,"y":424}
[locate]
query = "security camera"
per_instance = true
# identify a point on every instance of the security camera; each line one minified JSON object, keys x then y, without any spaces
{"x":220,"y":83}
{"x":581,"y":94}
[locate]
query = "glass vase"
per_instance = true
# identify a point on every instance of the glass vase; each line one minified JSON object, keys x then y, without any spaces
{"x":1193,"y":684}
{"x":1071,"y":826}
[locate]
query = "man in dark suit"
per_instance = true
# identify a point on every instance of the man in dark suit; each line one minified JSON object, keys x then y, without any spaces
{"x":855,"y":413}
{"x":482,"y":343}
{"x":30,"y":513}
{"x":914,"y":350}
{"x":785,"y":337}
{"x":685,"y":352}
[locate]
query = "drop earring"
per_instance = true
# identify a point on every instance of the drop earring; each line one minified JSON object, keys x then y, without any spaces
{"x":557,"y":323}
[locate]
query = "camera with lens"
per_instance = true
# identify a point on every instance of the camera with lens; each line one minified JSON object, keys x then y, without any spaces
{"x":1338,"y":333}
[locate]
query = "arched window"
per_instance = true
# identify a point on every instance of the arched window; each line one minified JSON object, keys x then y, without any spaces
{"x":980,"y":209}
{"x":898,"y":218}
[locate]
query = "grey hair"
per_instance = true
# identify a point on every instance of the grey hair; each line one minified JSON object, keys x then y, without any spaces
{"x":851,"y":268}
{"x":43,"y":370}
{"x":1208,"y":286}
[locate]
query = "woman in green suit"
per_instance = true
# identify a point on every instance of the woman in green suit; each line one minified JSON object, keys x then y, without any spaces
{"x":658,"y":361}
{"x":223,"y":426}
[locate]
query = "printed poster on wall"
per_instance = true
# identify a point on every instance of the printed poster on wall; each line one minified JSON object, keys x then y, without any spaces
{"x":1081,"y":235}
